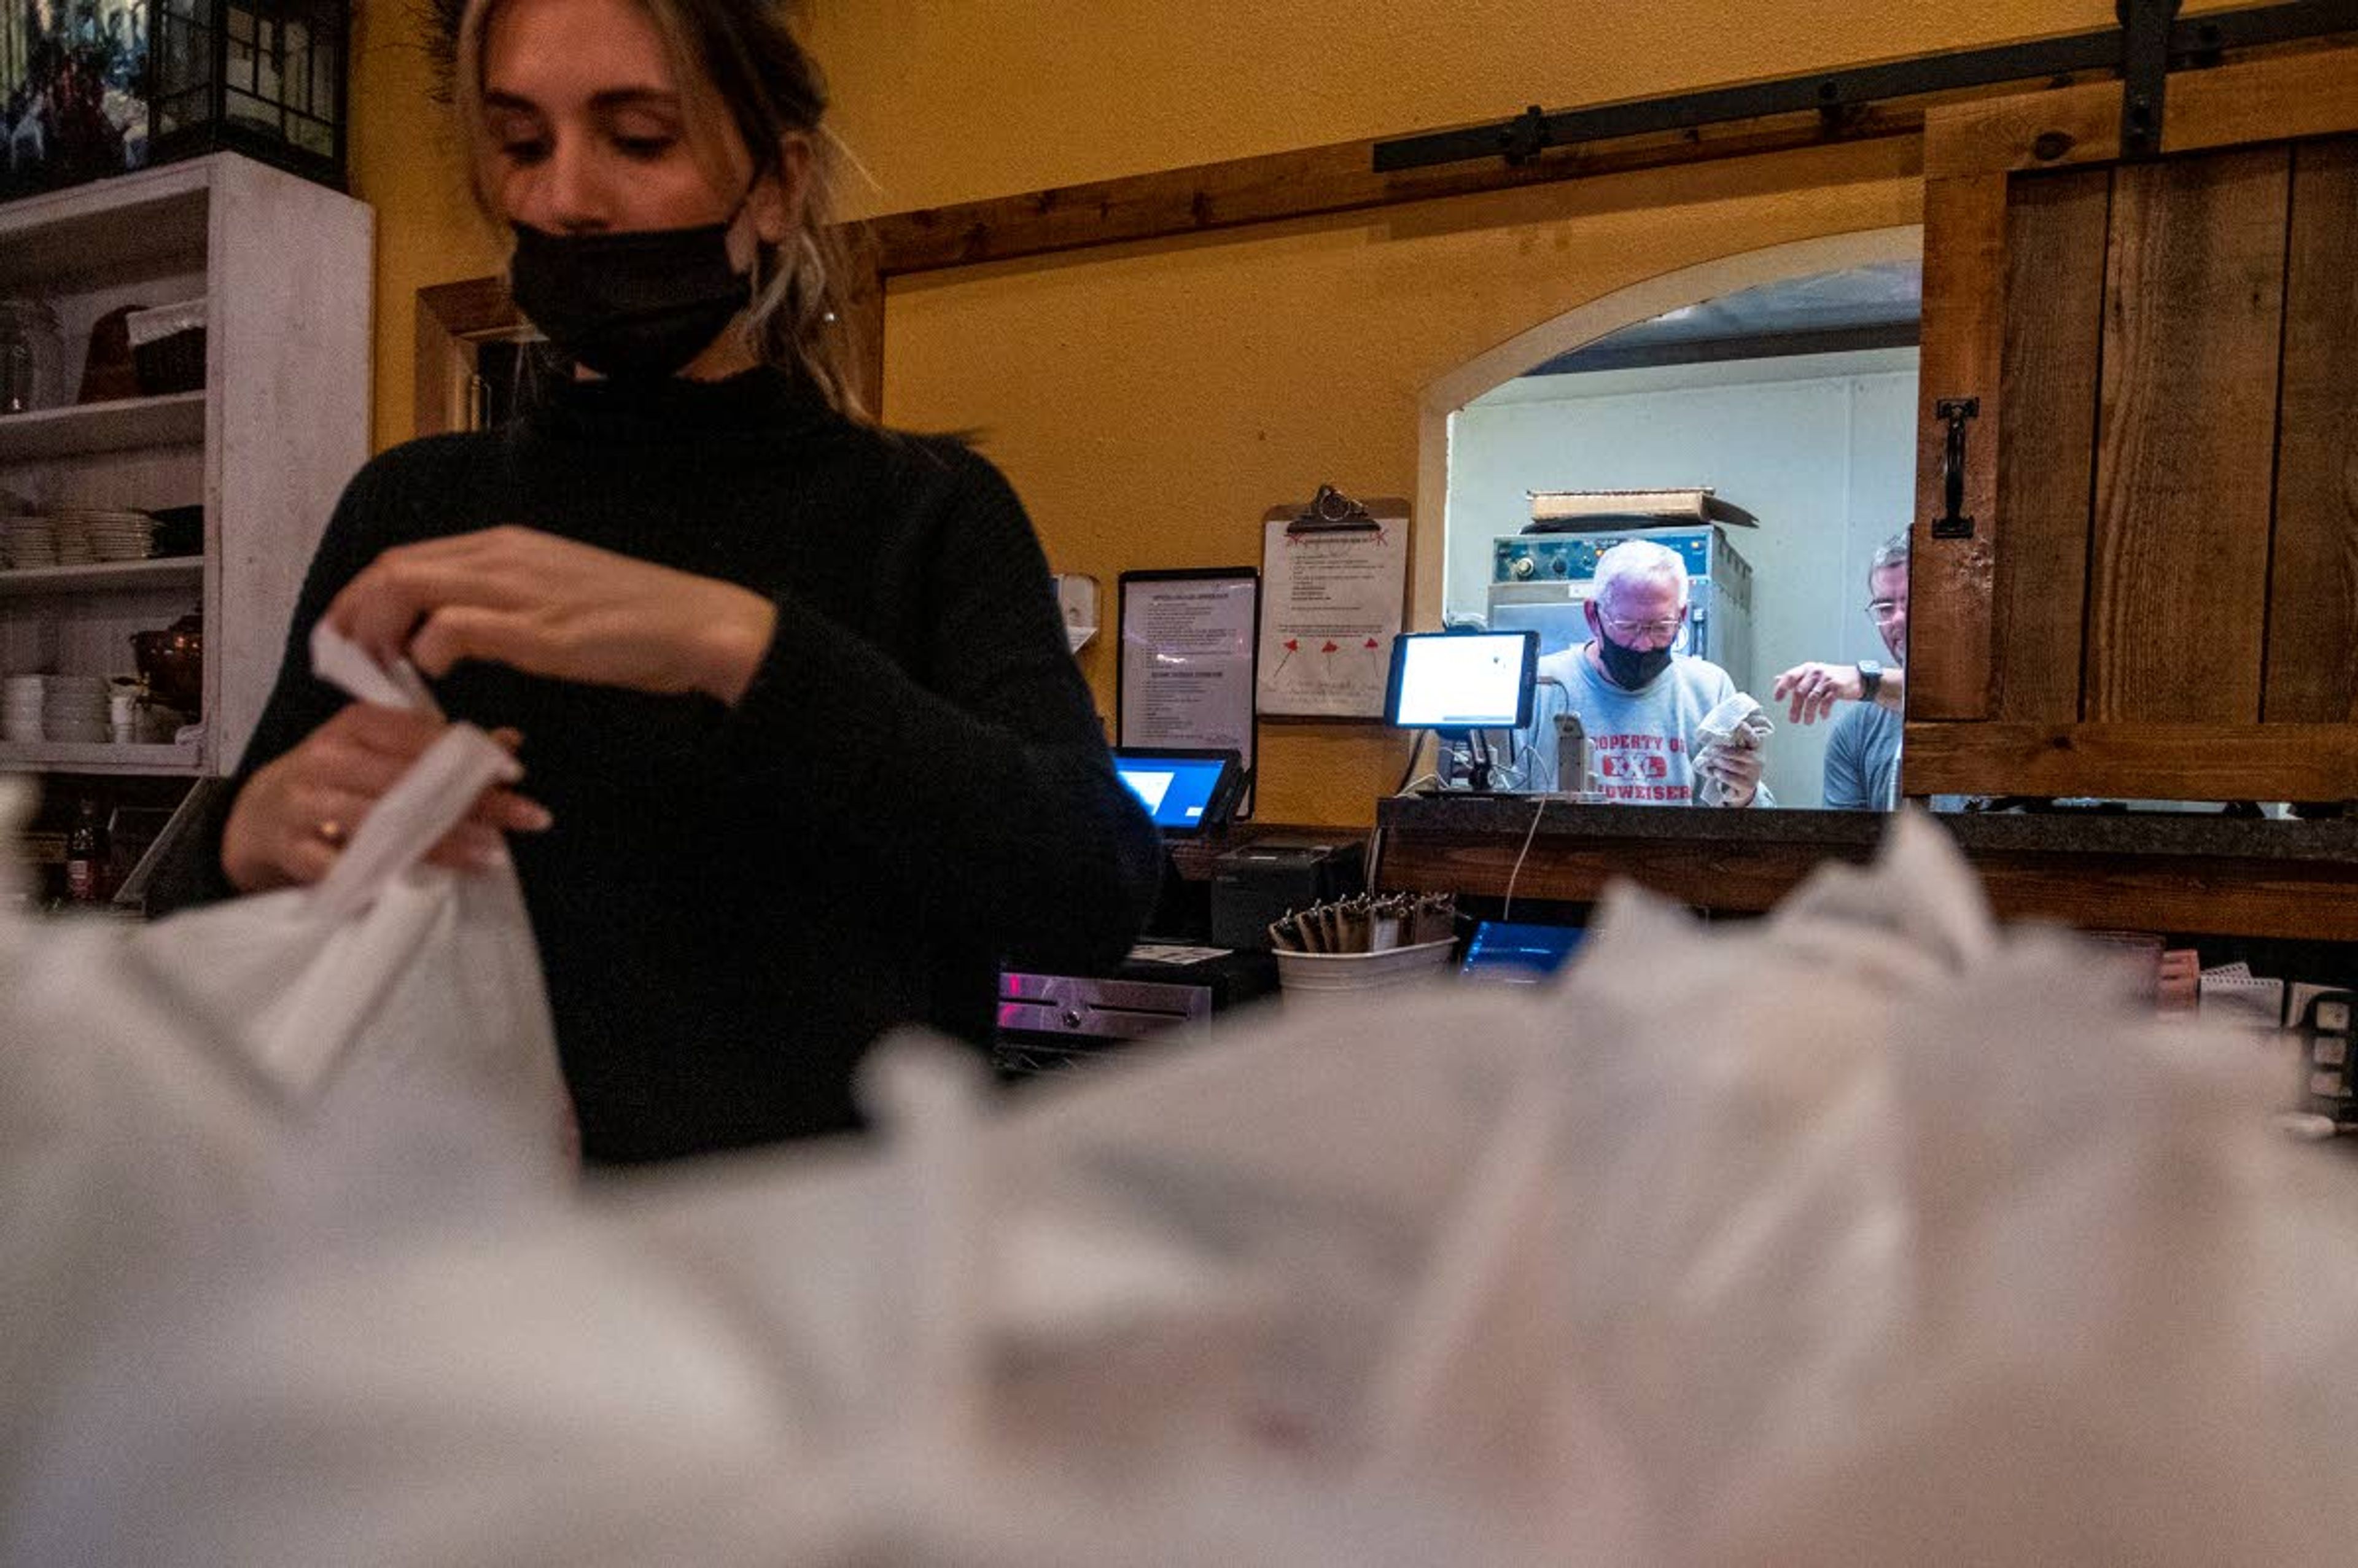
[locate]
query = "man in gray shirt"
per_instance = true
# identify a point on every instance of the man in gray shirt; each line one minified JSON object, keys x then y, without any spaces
{"x":1639,"y":704}
{"x":1863,"y":751}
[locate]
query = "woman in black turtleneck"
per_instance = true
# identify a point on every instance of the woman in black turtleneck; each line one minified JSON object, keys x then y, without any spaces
{"x":805,"y":754}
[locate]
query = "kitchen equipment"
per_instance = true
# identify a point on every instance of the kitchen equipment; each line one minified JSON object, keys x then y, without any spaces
{"x":32,"y":357}
{"x":1047,"y":1022}
{"x":173,"y":662}
{"x":1541,"y":581}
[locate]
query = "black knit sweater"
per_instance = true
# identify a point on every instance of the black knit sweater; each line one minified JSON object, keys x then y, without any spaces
{"x":733,"y":903}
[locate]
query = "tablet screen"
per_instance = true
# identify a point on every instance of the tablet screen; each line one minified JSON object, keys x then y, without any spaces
{"x":1181,"y":792}
{"x":1459,"y":680}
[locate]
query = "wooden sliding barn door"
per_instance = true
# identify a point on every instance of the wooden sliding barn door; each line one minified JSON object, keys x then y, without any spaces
{"x":2135,"y":541}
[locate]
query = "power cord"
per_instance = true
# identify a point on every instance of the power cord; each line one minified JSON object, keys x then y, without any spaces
{"x":1507,"y":910}
{"x":1415,"y":750}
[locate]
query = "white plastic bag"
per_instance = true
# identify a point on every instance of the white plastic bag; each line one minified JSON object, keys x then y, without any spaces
{"x":815,"y":1358}
{"x":273,"y":1070}
{"x":410,"y":978}
{"x":1863,"y":1234}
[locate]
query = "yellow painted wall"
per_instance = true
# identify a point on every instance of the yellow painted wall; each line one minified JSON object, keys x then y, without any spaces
{"x":952,"y":100}
{"x":1149,"y":402}
{"x":405,"y":163}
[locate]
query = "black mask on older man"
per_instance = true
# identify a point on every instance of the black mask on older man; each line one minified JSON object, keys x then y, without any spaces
{"x":1630,"y":668}
{"x":635,"y":306}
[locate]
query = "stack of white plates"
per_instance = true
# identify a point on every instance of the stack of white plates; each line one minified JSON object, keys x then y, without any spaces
{"x":28,"y":541}
{"x":73,"y":709}
{"x":112,"y":535}
{"x":20,"y":708}
{"x":72,"y":539}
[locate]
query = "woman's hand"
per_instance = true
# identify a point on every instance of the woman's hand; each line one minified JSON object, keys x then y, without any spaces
{"x":294,"y":815}
{"x":551,"y":607}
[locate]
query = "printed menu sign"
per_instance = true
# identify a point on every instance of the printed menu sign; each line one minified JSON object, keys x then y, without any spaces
{"x":1186,"y":657}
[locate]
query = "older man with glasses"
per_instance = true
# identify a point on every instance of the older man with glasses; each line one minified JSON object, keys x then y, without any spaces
{"x":1863,"y":751}
{"x":1639,"y":703}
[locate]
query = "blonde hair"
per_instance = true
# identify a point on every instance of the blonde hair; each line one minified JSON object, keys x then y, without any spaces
{"x":738,"y":63}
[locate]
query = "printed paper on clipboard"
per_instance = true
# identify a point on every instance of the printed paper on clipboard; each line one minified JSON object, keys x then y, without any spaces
{"x":1334,"y":586}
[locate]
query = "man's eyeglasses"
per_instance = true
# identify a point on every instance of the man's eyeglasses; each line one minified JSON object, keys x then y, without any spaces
{"x":1886,"y":610}
{"x":1625,"y":631}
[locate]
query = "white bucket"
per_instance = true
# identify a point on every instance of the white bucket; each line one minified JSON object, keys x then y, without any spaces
{"x":1328,"y":974}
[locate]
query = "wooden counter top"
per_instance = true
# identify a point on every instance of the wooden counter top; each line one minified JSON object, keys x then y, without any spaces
{"x":2158,"y":871}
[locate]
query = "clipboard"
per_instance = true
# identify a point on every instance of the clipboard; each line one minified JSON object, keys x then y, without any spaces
{"x":1333,"y":595}
{"x":1332,"y":512}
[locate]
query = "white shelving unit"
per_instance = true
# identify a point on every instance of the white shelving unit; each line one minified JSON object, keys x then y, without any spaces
{"x":181,"y":571}
{"x":126,"y":426}
{"x":281,"y":423}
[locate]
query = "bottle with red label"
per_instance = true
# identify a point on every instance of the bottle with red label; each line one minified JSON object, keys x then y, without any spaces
{"x":86,"y":856}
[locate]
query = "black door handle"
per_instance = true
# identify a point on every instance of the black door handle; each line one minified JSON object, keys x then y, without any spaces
{"x":1953,"y":524}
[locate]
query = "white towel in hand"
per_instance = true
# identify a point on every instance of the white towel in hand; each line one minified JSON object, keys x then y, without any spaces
{"x":1736,"y":721}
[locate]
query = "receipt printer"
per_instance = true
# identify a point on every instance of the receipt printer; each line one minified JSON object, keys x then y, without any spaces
{"x":1255,"y":884}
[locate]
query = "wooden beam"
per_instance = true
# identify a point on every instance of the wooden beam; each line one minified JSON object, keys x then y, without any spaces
{"x":2046,"y":130}
{"x":2309,"y":92}
{"x":2144,"y":761}
{"x":1322,"y":181}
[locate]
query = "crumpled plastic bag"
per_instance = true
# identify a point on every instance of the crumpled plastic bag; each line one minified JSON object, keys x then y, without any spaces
{"x":1864,"y":1233}
{"x":237,"y":1081}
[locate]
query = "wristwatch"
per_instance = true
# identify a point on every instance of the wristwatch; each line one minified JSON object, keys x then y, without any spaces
{"x":1870,"y":679}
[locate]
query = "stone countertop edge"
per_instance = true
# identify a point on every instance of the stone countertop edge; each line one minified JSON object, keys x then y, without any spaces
{"x":2151,"y":833}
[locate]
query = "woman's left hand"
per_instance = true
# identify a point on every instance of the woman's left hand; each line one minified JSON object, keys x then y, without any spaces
{"x":551,"y":607}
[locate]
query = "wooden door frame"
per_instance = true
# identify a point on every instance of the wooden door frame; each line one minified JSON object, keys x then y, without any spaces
{"x":1971,"y":151}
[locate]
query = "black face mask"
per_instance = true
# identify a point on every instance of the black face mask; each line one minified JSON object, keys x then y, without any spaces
{"x":1630,"y":668}
{"x":635,"y":306}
